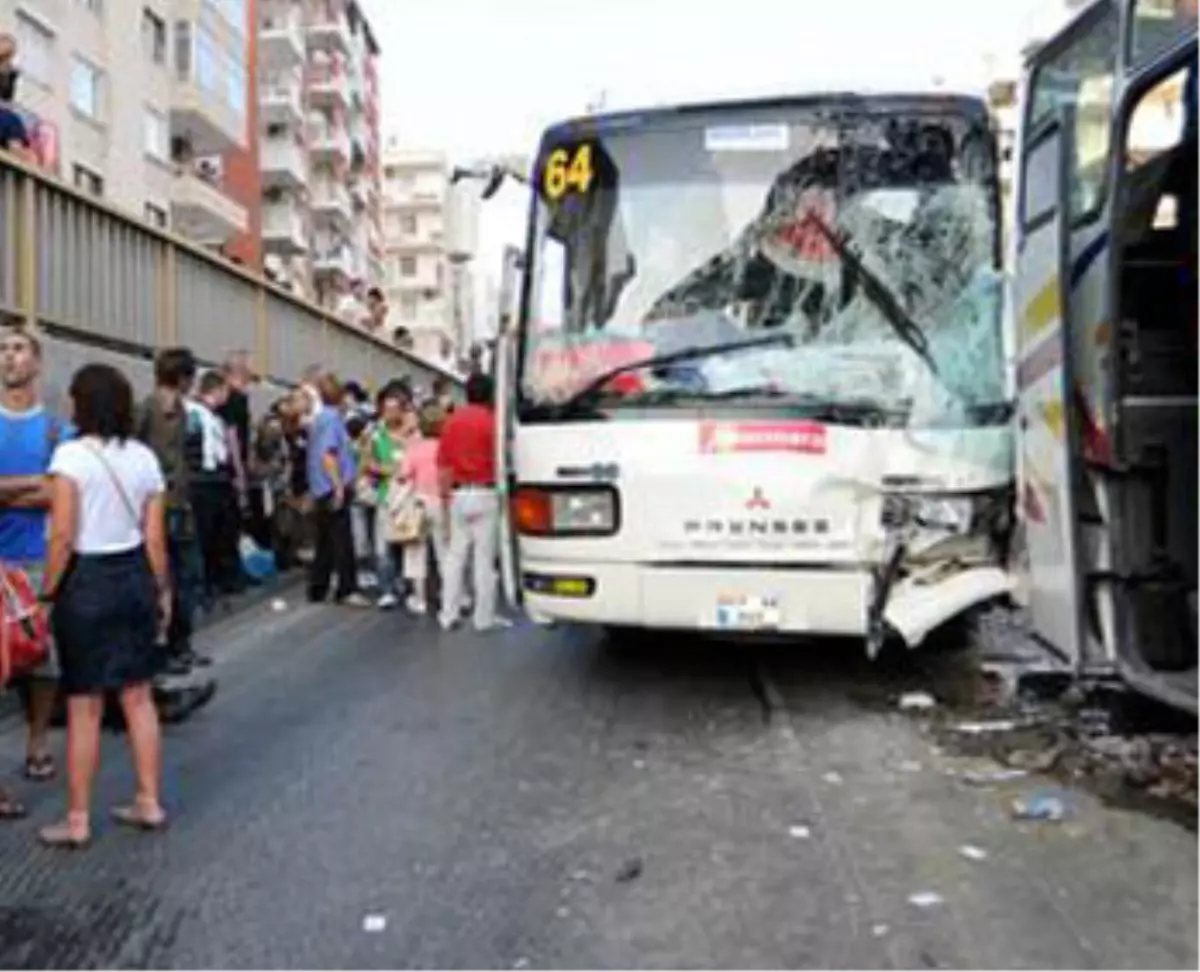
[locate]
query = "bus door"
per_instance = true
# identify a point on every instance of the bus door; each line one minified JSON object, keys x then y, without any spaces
{"x":505,"y":367}
{"x":1040,"y":292}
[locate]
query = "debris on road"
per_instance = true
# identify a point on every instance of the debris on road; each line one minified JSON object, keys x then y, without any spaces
{"x":992,"y":777}
{"x":374,"y":924}
{"x":279,"y":605}
{"x":631,"y":870}
{"x":879,"y":930}
{"x":925,"y":899}
{"x":1043,"y":804}
{"x":833,"y":778}
{"x":639,"y":764}
{"x":799,"y":831}
{"x":917,"y":702}
{"x":985,"y":727}
{"x":973,"y":853}
{"x":910,"y":766}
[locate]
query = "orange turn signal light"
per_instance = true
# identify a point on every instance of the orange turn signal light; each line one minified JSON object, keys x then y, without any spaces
{"x":532,"y":512}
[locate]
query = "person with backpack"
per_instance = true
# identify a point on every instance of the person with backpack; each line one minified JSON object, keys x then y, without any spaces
{"x":29,"y":434}
{"x":161,"y":423}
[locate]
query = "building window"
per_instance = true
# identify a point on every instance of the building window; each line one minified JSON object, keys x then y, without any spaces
{"x":408,"y":224}
{"x":94,"y":6}
{"x":408,"y":266}
{"x":183,"y":50}
{"x":36,"y":45}
{"x":86,"y":82}
{"x":155,"y":215}
{"x":154,"y":37}
{"x":156,"y":135}
{"x":87,"y":180}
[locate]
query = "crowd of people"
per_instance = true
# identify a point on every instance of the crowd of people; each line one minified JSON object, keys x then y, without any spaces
{"x":129,"y":519}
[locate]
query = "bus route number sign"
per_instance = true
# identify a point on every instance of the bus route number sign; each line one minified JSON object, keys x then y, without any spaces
{"x":568,"y":171}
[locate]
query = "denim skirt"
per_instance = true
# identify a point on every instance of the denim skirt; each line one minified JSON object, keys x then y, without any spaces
{"x":105,"y":621}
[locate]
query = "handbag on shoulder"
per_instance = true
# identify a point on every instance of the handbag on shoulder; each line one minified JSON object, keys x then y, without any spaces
{"x":24,"y":625}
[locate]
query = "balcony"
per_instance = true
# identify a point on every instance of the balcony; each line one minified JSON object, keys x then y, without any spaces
{"x":283,"y":229}
{"x":327,"y":86}
{"x":281,"y":101}
{"x":201,"y":211}
{"x":329,"y":143}
{"x":280,"y":41}
{"x":328,"y":29}
{"x":337,"y":261}
{"x":204,"y":118}
{"x":283,"y":163}
{"x":330,"y":203}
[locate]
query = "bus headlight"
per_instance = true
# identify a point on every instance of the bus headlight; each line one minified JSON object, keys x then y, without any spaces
{"x":586,"y":511}
{"x":956,"y":514}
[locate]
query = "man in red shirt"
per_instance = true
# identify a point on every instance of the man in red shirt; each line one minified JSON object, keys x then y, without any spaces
{"x":467,"y":465}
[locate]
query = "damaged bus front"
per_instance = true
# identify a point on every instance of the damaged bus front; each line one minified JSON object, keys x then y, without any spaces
{"x":758,"y":380}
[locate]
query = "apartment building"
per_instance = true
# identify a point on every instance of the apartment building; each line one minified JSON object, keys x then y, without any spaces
{"x":431,"y":237}
{"x":318,"y":97}
{"x":146,"y":104}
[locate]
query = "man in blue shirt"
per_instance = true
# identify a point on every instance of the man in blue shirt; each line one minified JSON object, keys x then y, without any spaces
{"x":331,"y":472}
{"x":28,"y":436}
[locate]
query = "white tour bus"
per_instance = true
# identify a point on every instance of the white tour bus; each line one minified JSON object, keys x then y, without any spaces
{"x":757,"y":378}
{"x":1105,"y":299}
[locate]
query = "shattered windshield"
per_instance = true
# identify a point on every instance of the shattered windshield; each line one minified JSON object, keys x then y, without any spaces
{"x":866,"y":233}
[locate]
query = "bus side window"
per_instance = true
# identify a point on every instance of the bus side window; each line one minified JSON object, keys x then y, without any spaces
{"x":1082,"y":74}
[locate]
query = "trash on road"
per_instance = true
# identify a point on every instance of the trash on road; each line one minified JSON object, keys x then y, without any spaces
{"x":279,"y":605}
{"x":973,"y":853}
{"x":639,"y":764}
{"x":833,"y":778}
{"x":1045,"y":804}
{"x":910,"y":766}
{"x":992,"y":777}
{"x":1034,"y":762}
{"x":374,"y":924}
{"x":879,"y":930}
{"x":799,"y":831}
{"x":917,"y":702}
{"x":984,"y":727}
{"x":925,"y":899}
{"x":631,"y":870}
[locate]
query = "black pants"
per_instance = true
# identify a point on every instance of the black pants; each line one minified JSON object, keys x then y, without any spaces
{"x":218,"y":527}
{"x":334,"y":552}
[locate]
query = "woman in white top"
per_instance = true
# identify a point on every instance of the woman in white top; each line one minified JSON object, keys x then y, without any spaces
{"x":107,"y":578}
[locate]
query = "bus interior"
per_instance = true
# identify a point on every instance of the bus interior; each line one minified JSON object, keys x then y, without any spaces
{"x":1153,"y":459}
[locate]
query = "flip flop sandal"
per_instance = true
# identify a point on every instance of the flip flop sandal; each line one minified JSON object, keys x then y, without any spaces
{"x":59,"y":837}
{"x":134,"y":818}
{"x":39,"y":769}
{"x":12,"y":809}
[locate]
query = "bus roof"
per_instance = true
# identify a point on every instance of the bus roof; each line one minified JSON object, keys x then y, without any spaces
{"x":917,"y":102}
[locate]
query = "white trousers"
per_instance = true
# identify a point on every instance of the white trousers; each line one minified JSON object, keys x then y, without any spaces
{"x":474,"y":535}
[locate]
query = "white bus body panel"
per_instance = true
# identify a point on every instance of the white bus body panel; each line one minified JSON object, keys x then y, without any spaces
{"x":675,"y":561}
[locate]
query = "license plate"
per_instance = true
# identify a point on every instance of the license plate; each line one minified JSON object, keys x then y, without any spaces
{"x":747,"y":612}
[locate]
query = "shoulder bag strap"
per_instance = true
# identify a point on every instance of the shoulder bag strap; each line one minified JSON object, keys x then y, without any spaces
{"x":120,"y":487}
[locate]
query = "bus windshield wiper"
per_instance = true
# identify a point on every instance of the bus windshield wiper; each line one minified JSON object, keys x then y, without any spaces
{"x":908,"y":330}
{"x":851,"y":411}
{"x":589,"y":392}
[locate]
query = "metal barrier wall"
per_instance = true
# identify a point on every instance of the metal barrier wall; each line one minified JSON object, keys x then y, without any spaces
{"x":105,"y":286}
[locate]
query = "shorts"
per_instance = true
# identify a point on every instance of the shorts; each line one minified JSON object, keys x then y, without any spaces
{"x":49,"y":670}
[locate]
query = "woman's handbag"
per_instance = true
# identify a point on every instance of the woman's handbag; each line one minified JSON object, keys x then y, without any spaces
{"x":406,"y":514}
{"x":24,"y":626}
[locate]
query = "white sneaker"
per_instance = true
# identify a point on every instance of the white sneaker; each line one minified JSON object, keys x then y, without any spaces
{"x":387,"y":602}
{"x":497,"y":624}
{"x":447,"y":624}
{"x":416,"y":606}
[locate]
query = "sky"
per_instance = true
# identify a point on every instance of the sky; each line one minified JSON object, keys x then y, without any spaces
{"x":476,"y":78}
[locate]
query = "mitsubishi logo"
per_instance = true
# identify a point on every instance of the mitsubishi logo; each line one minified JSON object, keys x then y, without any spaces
{"x":757,"y":500}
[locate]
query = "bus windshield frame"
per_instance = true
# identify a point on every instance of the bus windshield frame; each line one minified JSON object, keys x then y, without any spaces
{"x":655,"y":232}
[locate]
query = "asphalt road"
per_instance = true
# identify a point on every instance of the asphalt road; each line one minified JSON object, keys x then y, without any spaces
{"x":366,"y":792}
